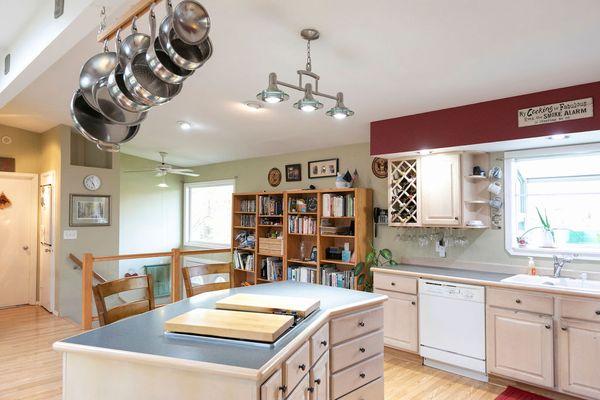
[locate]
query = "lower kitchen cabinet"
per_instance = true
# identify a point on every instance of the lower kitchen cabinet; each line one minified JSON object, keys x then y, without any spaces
{"x":319,"y":379}
{"x":400,"y":320}
{"x":302,"y":391}
{"x":579,"y":358}
{"x":520,"y":346}
{"x":272,"y":389}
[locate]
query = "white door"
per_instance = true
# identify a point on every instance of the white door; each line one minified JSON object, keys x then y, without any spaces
{"x":46,"y":236}
{"x":18,"y":244}
{"x":440,"y":189}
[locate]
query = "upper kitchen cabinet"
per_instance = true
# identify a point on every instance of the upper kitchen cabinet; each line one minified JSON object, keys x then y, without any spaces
{"x":439,"y":190}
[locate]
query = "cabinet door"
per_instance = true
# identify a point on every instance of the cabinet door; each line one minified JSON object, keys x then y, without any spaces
{"x":520,"y":346}
{"x":319,"y":379}
{"x":578,"y":355}
{"x":272,"y":388}
{"x":400,"y":324}
{"x":302,"y":391}
{"x":440,"y":190}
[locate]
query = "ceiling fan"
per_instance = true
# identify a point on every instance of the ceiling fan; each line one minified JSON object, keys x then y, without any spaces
{"x":163,"y":168}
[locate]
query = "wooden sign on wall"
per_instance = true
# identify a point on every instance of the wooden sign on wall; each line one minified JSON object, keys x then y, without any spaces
{"x":7,"y":164}
{"x":557,"y":112}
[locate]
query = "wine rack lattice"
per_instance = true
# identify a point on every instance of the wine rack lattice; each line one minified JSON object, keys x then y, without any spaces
{"x":403,"y":189}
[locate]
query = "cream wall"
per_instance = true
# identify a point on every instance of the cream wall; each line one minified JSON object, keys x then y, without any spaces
{"x":25,"y":149}
{"x":485,"y":249}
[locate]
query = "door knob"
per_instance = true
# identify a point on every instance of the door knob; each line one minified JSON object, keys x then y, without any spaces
{"x":25,"y":248}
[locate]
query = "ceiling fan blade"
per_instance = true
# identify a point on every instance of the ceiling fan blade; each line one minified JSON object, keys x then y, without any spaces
{"x":177,"y":172}
{"x":160,"y":174}
{"x":141,"y":170}
{"x":181,"y":170}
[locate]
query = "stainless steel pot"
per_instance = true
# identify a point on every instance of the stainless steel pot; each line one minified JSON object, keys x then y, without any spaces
{"x":109,"y":109}
{"x":158,"y":60}
{"x":191,"y":22}
{"x":186,"y":56}
{"x":116,"y":84}
{"x":94,"y":69}
{"x":96,"y":128}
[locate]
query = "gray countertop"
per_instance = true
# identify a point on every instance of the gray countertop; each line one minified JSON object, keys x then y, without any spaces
{"x":145,"y":333}
{"x":450,"y":272}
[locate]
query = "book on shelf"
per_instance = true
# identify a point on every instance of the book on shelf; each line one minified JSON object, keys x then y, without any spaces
{"x":243,"y":260}
{"x":271,"y":268}
{"x":302,"y":225}
{"x":331,"y":276}
{"x":248,"y":205}
{"x":269,"y":205}
{"x":338,"y":205}
{"x":301,"y":273}
{"x":247,"y":220}
{"x":245,"y":240}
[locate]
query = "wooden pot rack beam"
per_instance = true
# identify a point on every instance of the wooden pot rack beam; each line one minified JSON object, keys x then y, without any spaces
{"x":139,"y":9}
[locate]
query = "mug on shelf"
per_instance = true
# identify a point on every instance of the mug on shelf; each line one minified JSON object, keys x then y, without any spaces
{"x":496,"y":203}
{"x":495,"y":173}
{"x":495,"y":188}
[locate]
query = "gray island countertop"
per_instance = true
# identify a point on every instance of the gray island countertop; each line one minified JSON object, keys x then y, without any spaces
{"x":143,"y":337}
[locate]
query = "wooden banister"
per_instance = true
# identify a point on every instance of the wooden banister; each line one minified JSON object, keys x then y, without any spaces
{"x":87,"y":274}
{"x":79,"y":263}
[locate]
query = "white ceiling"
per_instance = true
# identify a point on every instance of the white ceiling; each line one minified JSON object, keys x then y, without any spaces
{"x":13,"y":23}
{"x":389,"y":57}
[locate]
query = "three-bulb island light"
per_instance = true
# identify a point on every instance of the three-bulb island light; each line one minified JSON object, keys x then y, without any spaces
{"x":272,"y":94}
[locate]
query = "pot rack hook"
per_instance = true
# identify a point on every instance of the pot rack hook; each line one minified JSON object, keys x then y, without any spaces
{"x":102,"y":26}
{"x":134,"y":24}
{"x":105,"y":46}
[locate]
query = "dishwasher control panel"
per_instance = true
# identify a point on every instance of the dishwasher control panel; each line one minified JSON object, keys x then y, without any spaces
{"x":452,"y":290}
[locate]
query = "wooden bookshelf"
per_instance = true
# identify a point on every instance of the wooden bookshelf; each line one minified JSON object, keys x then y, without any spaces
{"x":358,"y":240}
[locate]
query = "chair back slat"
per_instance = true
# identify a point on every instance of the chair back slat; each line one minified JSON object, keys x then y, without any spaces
{"x":106,"y":289}
{"x":203,"y":270}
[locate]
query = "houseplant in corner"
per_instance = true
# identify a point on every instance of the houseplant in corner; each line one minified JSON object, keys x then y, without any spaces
{"x":374,"y":258}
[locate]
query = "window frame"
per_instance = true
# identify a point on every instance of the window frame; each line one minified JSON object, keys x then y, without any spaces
{"x":186,"y":212}
{"x":511,"y":209}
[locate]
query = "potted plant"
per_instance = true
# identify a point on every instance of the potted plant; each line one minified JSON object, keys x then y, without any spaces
{"x":374,"y":258}
{"x":549,"y":237}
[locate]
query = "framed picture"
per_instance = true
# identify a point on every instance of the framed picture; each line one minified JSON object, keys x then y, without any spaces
{"x":313,"y":253}
{"x":89,"y":210}
{"x":293,"y":172}
{"x":323,"y":168}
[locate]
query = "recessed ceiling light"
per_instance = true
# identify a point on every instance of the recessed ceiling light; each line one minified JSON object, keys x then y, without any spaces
{"x":558,"y":136}
{"x":253,"y":105}
{"x":184,"y":125}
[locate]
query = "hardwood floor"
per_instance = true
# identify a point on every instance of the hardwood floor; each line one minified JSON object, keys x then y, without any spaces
{"x":30,"y":369}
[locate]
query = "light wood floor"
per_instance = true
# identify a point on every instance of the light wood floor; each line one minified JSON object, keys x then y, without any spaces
{"x":30,"y":369}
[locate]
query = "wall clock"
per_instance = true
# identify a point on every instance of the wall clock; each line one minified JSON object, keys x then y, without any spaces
{"x":92,"y":182}
{"x":379,"y":166}
{"x":274,"y":177}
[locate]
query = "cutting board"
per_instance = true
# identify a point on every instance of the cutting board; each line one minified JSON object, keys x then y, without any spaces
{"x":231,"y":324}
{"x":269,"y":304}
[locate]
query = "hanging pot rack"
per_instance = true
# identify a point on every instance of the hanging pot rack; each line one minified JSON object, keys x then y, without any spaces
{"x":139,"y":9}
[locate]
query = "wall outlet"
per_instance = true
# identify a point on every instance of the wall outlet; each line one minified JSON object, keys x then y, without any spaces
{"x":70,"y":234}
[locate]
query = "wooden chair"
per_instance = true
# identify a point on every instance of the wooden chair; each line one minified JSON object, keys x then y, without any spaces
{"x":103,"y":290}
{"x":202,"y":270}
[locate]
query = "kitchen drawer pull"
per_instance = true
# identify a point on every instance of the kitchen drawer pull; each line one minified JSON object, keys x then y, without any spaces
{"x":362,"y":375}
{"x":518,"y":301}
{"x":393,"y":283}
{"x":413,"y":303}
{"x":310,"y":389}
{"x":361,"y":324}
{"x":318,"y":381}
{"x":548,"y":326}
{"x":283,"y":388}
{"x":597,"y":312}
{"x":564,"y":328}
{"x":302,"y":367}
{"x":324,"y":342}
{"x":362,"y":349}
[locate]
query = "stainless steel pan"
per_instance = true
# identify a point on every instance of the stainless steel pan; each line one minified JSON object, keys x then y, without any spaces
{"x":111,"y":110}
{"x":186,"y":56}
{"x":96,"y":128}
{"x":97,"y":67}
{"x":191,"y":22}
{"x":158,"y":60}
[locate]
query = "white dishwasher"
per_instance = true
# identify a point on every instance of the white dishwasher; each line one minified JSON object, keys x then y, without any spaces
{"x":452,"y":327}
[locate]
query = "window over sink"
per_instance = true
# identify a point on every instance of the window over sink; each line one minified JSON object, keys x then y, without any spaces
{"x":553,"y":201}
{"x":207,"y":213}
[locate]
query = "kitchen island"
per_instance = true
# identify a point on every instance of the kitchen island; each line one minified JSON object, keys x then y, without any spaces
{"x":334,"y":351}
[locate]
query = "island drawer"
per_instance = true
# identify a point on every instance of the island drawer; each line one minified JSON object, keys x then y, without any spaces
{"x":319,"y":343}
{"x":295,"y":367}
{"x":520,"y":300}
{"x":395,"y":283}
{"x":371,"y":391}
{"x":356,"y":350}
{"x":352,"y":378}
{"x":356,"y":324}
{"x":587,"y":310}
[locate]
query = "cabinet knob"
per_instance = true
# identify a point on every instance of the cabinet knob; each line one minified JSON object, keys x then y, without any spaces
{"x":518,"y":301}
{"x":362,"y":375}
{"x":362,"y":349}
{"x":361,"y":324}
{"x":456,"y":218}
{"x":597,"y":312}
{"x":413,"y":302}
{"x":302,"y":367}
{"x":323,"y":342}
{"x":311,"y":389}
{"x":318,"y":381}
{"x":548,"y":326}
{"x":393,"y":283}
{"x":564,"y":328}
{"x":283,"y":388}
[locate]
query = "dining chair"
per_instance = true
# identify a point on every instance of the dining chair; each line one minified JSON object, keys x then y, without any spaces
{"x":103,"y":290}
{"x":202,"y":270}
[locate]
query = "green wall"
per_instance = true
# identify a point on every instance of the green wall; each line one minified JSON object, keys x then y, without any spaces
{"x":25,"y":149}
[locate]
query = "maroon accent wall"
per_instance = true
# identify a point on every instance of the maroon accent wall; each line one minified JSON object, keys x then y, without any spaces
{"x":490,"y":121}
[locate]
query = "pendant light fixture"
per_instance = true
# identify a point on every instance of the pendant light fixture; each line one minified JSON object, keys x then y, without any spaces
{"x":273,"y":94}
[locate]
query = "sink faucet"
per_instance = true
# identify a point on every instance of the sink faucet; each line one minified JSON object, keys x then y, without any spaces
{"x":559,"y":263}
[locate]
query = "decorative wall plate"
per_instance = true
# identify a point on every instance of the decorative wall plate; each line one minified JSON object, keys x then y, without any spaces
{"x":379,"y":166}
{"x":274,"y":177}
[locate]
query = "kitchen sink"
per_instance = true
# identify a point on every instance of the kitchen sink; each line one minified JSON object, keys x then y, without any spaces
{"x":560,"y":283}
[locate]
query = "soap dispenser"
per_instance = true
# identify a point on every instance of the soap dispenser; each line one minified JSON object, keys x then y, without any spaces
{"x":532,"y":270}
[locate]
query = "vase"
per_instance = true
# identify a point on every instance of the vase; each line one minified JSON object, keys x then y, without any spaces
{"x":548,"y":239}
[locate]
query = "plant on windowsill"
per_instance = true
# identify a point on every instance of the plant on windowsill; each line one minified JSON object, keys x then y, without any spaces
{"x":549,"y":236}
{"x":374,"y":258}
